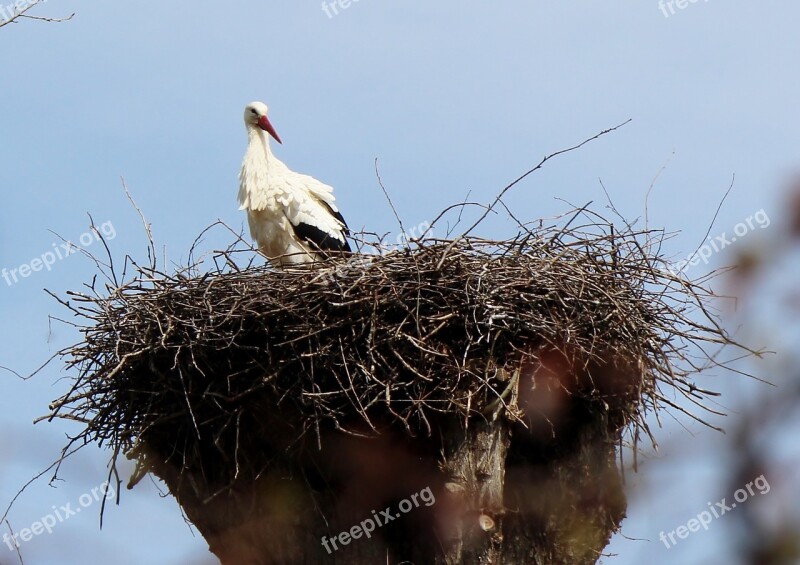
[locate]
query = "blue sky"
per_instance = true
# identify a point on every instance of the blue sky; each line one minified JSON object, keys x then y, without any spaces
{"x":451,"y":97}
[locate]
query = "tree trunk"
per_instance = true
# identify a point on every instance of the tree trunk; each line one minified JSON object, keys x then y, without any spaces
{"x":503,"y":496}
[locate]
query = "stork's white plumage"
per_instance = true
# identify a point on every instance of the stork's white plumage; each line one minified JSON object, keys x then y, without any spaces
{"x":292,"y":216}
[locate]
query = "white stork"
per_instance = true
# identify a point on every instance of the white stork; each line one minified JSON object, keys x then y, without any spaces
{"x":292,"y":216}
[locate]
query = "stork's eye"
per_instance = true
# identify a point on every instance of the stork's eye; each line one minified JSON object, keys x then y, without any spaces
{"x":253,"y":110}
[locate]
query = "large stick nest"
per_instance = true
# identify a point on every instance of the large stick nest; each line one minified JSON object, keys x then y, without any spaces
{"x":216,"y":372}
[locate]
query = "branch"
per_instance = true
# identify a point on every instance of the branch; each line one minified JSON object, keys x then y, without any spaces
{"x":14,"y":16}
{"x":502,"y":193}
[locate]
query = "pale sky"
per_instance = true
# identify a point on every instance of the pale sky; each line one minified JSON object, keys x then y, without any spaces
{"x":451,"y":97}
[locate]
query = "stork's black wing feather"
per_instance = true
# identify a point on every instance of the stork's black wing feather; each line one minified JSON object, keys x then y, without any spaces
{"x":318,"y":239}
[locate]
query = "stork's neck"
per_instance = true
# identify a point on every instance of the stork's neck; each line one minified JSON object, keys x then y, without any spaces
{"x":259,"y":143}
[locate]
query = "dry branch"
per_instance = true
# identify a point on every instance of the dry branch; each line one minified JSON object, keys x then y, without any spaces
{"x":21,"y":13}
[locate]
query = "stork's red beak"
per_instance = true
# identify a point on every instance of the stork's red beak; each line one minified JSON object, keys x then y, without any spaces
{"x":263,"y":123}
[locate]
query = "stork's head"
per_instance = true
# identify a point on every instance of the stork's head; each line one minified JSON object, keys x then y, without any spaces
{"x":255,"y":116}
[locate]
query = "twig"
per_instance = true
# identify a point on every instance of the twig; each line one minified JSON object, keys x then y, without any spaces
{"x":23,"y":14}
{"x":536,"y":168}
